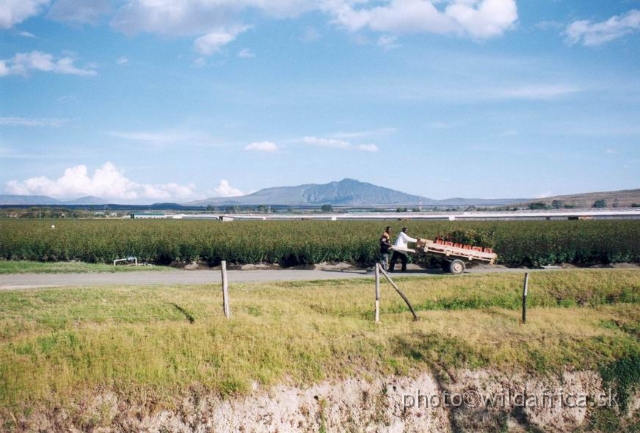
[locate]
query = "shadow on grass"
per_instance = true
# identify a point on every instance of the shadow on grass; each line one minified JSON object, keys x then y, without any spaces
{"x":186,"y":314}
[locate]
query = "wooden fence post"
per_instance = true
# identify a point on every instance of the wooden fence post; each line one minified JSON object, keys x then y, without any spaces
{"x":225,"y":291}
{"x":406,"y":300}
{"x":525,"y":289}
{"x":377,"y":293}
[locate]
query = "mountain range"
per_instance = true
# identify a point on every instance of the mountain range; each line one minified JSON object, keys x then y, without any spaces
{"x":344,"y":193}
{"x":347,"y":192}
{"x":43,"y":200}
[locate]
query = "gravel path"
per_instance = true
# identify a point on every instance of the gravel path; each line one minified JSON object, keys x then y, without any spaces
{"x":186,"y":277}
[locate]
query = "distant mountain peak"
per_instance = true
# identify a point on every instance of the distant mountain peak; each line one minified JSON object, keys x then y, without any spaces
{"x":90,"y":199}
{"x":346,"y":192}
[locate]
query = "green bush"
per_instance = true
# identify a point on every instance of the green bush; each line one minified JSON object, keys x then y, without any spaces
{"x":288,"y":243}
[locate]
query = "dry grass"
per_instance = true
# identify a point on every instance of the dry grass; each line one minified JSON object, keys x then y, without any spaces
{"x":152,"y":344}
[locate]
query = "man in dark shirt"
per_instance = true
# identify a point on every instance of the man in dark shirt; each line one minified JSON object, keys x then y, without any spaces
{"x":385,"y":246}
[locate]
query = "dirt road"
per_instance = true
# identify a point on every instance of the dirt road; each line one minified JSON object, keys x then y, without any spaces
{"x":185,"y":277}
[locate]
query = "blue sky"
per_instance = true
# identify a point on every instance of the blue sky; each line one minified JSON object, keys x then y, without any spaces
{"x":175,"y":100}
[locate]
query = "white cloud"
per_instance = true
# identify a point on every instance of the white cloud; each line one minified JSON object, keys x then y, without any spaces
{"x":27,"y":35}
{"x":262,"y":146}
{"x":13,"y":12}
{"x":169,"y":17}
{"x":338,"y":144}
{"x":80,"y":11}
{"x":213,"y":41}
{"x":224,"y":189}
{"x":594,"y":34}
{"x":22,"y":63}
{"x":326,"y":142}
{"x":217,"y":23}
{"x":162,"y":138}
{"x":106,"y":182}
{"x":246,"y":54}
{"x":396,"y":16}
{"x":388,"y":42}
{"x":22,"y":121}
{"x":484,"y":19}
{"x":67,"y":99}
{"x":368,"y":147}
{"x":193,"y":17}
{"x":534,"y":92}
{"x":196,"y":17}
{"x":309,"y":35}
{"x":280,"y":8}
{"x":480,"y":19}
{"x":363,"y":134}
{"x":476,"y":91}
{"x":123,"y":61}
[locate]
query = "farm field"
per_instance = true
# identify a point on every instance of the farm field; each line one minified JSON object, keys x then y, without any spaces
{"x":104,"y":357}
{"x":289,"y":243}
{"x":122,"y":357}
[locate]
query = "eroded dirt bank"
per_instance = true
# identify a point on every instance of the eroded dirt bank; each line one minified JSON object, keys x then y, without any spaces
{"x":481,"y":400}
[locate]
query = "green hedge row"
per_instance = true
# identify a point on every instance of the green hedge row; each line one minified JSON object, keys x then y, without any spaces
{"x":529,"y":243}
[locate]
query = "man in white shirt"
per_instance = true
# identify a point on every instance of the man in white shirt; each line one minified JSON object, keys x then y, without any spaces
{"x":401,"y":249}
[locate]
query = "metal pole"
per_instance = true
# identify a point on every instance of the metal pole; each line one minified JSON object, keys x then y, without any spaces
{"x":377,"y":271}
{"x":225,"y":291}
{"x":524,"y":297}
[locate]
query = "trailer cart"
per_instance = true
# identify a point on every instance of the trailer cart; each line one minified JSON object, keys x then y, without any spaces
{"x":455,"y":257}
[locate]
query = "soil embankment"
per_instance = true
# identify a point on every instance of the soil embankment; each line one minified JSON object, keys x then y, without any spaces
{"x":480,"y":400}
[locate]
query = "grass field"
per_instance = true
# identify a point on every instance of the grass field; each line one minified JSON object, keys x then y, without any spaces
{"x":153,"y":345}
{"x":31,"y":267}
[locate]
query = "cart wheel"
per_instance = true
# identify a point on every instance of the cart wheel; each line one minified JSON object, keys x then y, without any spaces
{"x":445,"y":265}
{"x":457,"y":267}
